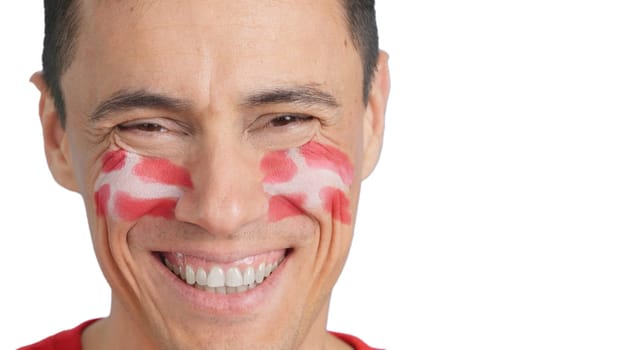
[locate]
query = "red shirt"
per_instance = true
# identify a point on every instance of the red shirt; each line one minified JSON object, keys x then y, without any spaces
{"x":65,"y":340}
{"x":70,"y":340}
{"x":353,"y":341}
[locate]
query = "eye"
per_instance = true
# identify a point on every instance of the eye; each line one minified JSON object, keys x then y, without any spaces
{"x":143,"y":126}
{"x":287,"y":119}
{"x":283,"y":130}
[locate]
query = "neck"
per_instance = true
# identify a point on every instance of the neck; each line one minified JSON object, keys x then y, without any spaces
{"x":117,"y":331}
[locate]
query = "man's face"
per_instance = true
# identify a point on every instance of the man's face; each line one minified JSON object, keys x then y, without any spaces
{"x":212,"y":142}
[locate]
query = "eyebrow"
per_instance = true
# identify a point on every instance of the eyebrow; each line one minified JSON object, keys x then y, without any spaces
{"x":306,"y":95}
{"x":124,"y":100}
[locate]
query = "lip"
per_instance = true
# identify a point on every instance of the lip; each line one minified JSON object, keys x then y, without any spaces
{"x":224,"y":305}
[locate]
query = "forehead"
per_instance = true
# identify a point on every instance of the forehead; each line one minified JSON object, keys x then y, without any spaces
{"x":209,"y":47}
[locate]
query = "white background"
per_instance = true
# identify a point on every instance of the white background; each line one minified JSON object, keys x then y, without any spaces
{"x":492,"y":222}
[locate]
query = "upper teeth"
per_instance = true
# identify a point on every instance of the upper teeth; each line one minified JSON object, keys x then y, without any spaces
{"x":217,"y":280}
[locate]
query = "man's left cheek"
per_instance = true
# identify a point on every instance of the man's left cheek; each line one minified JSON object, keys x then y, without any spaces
{"x":131,"y":186}
{"x":311,"y":178}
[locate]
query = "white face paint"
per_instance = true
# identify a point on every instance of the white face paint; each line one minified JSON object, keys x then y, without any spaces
{"x":131,"y":186}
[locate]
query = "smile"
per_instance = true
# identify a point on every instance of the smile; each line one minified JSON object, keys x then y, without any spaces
{"x":223,"y":278}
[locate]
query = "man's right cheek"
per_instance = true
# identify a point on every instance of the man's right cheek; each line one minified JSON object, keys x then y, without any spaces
{"x":131,"y":186}
{"x":127,"y":207}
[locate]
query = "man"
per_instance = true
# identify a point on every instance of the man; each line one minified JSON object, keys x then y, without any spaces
{"x":219,"y":147}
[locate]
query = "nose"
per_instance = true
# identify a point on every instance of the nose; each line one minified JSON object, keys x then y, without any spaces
{"x":227,"y":192}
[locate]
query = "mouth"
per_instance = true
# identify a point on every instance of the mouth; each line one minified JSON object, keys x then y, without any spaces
{"x":222,"y":277}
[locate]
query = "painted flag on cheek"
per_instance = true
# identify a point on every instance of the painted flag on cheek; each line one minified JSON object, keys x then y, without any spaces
{"x":313,"y":176}
{"x":131,"y":186}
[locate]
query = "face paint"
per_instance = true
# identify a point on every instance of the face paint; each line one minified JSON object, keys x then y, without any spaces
{"x":131,"y":186}
{"x":309,"y":177}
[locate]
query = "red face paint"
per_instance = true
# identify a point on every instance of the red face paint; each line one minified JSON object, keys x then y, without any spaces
{"x":131,"y":208}
{"x":101,"y":200}
{"x":113,"y":160}
{"x":281,"y":207}
{"x":278,"y":167}
{"x":312,"y":176}
{"x":336,"y":203}
{"x":131,"y":186}
{"x":162,"y":171}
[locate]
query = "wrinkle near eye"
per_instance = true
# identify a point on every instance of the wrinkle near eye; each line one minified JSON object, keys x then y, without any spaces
{"x":156,"y":137}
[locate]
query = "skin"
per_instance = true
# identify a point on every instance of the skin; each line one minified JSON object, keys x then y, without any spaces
{"x":213,"y":55}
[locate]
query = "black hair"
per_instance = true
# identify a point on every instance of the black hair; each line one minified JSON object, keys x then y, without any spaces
{"x":361,"y":19}
{"x":61,"y":33}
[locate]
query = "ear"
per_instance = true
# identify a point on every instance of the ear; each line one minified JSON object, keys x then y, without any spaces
{"x":54,"y":137}
{"x":373,"y":128}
